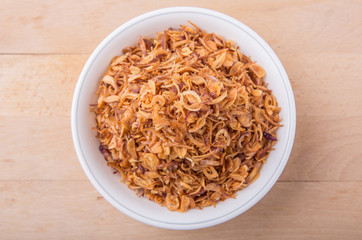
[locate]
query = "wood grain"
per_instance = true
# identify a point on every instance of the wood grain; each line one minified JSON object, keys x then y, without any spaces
{"x":44,"y":193}
{"x":78,"y":26}
{"x":292,"y":210}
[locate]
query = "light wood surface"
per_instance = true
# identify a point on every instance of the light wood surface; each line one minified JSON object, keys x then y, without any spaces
{"x":44,"y":193}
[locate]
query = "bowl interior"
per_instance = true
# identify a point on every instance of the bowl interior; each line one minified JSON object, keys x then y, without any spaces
{"x":86,"y":144}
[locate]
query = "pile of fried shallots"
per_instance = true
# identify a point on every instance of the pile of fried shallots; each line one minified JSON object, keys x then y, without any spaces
{"x":185,"y":118}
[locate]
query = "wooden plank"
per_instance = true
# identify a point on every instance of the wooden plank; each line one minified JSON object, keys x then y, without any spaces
{"x":38,"y":91}
{"x":44,"y":84}
{"x":39,"y":85}
{"x":42,"y":148}
{"x":38,"y":148}
{"x":326,"y":148}
{"x":74,"y":210}
{"x":291,"y":27}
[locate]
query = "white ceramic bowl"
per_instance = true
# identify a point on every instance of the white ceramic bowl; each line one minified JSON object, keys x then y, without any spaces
{"x":86,"y":145}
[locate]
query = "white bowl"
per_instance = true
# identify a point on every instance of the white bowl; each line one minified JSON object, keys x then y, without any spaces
{"x":86,"y":144}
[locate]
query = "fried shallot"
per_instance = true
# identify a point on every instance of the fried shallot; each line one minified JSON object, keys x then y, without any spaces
{"x":185,"y":118}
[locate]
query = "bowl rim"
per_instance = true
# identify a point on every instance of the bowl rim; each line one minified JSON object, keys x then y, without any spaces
{"x":211,"y":222}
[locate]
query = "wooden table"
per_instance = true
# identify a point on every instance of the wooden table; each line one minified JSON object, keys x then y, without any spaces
{"x":44,"y":193}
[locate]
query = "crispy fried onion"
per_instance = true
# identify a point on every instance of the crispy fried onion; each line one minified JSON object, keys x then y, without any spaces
{"x":185,"y":118}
